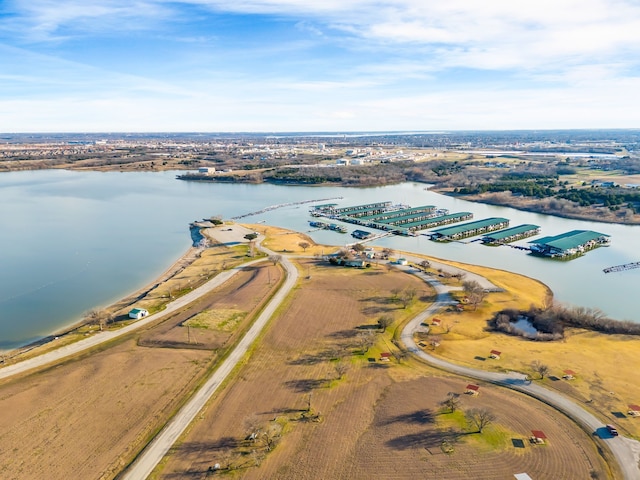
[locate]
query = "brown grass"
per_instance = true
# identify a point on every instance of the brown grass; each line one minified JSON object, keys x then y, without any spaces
{"x":381,"y":420}
{"x":88,"y":417}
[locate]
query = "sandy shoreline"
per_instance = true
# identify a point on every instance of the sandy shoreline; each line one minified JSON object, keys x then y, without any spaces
{"x":176,"y":267}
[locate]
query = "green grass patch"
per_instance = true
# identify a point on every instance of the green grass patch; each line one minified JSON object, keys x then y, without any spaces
{"x":224,"y":320}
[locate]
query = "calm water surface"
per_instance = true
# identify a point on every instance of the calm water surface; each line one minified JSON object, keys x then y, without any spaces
{"x":72,"y":241}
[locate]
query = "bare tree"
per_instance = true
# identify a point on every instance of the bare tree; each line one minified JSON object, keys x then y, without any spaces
{"x":452,"y":402}
{"x":395,"y":294}
{"x":270,"y":436}
{"x":97,"y":317}
{"x":400,"y":355}
{"x":387,"y":252}
{"x":408,"y":296}
{"x":365,"y":341}
{"x":475,"y":292}
{"x":425,"y":264}
{"x":435,"y":341}
{"x":304,"y":246}
{"x":540,"y":368}
{"x":358,"y":247}
{"x":341,"y":367}
{"x":384,"y":322}
{"x":252,"y":426}
{"x":275,"y":258}
{"x":480,"y":418}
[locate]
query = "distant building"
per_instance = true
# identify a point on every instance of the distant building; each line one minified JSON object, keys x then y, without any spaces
{"x":138,"y":313}
{"x":207,"y":170}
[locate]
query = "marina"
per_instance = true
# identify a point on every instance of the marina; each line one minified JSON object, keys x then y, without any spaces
{"x":511,"y":234}
{"x":470,"y":229}
{"x":570,"y":244}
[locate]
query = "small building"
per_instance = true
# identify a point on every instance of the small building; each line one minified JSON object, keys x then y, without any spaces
{"x":538,"y":437}
{"x":206,"y":170}
{"x":472,"y":389}
{"x":138,"y":313}
{"x":436,"y":322}
{"x":495,"y":354}
{"x":385,"y":356}
{"x":402,"y":261}
{"x":522,"y":476}
{"x":569,"y":375}
{"x":634,"y":410}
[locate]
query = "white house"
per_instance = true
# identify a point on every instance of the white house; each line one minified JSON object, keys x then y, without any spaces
{"x":206,"y":170}
{"x":138,"y":313}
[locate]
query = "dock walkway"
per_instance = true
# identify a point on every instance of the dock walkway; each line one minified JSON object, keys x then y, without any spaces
{"x":621,"y":268}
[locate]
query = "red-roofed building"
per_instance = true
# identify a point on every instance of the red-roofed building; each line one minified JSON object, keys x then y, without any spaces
{"x":472,"y":389}
{"x":495,"y":354}
{"x":436,"y":322}
{"x":385,"y":356}
{"x":538,"y":436}
{"x":569,"y":375}
{"x":634,"y":410}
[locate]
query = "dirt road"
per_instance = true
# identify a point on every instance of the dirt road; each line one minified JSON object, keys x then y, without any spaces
{"x":626,"y":451}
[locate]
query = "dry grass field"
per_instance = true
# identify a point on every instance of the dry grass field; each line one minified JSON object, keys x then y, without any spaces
{"x":605,"y":365}
{"x":374,"y":419}
{"x":88,"y":417}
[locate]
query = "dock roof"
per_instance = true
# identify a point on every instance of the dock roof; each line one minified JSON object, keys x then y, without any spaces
{"x":434,"y":220}
{"x":502,"y":234}
{"x":465,"y":227}
{"x":404,"y":212}
{"x":569,"y":240}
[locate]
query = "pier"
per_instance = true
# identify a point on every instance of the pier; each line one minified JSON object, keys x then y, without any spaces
{"x":622,"y":268}
{"x":281,"y":205}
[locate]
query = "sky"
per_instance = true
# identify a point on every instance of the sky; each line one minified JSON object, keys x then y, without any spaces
{"x":318,"y":65}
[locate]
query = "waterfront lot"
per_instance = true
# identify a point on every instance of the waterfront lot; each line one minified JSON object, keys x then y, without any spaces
{"x":88,"y":417}
{"x":381,"y":419}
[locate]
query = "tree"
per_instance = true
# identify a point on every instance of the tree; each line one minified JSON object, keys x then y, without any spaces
{"x":400,"y":355}
{"x":480,"y":418}
{"x":365,"y":341}
{"x":425,"y":264}
{"x":540,"y":368}
{"x":341,"y":367}
{"x":275,"y":258}
{"x":251,"y":236}
{"x":97,"y":317}
{"x":304,"y":246}
{"x":384,"y":322}
{"x":452,"y":402}
{"x":387,"y":252}
{"x":270,"y":436}
{"x":434,"y":341}
{"x":252,"y":426}
{"x":475,"y":292}
{"x":408,"y":296}
{"x":358,"y":247}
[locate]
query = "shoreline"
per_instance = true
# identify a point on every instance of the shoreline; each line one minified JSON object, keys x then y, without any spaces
{"x":186,"y":259}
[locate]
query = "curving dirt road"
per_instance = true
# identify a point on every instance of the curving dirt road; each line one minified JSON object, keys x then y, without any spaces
{"x":626,"y":451}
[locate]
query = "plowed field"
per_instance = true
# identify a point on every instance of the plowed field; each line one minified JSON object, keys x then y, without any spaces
{"x":380,"y":420}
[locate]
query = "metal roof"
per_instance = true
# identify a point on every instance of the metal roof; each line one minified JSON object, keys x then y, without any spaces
{"x":465,"y":227}
{"x":570,"y":240}
{"x":441,"y":218}
{"x":502,"y":234}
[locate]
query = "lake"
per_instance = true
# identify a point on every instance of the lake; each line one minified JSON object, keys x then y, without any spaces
{"x":72,"y":241}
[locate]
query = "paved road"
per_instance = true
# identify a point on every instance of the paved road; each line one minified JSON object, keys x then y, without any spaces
{"x":626,"y":451}
{"x":101,"y":337}
{"x":158,"y":448}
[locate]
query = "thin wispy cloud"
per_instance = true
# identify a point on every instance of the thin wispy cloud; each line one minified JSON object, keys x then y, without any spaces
{"x":335,"y":64}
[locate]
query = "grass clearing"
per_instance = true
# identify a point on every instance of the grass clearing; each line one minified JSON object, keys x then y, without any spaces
{"x":219,"y":319}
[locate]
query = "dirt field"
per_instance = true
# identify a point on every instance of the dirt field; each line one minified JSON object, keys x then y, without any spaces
{"x":87,"y":417}
{"x":379,"y":420}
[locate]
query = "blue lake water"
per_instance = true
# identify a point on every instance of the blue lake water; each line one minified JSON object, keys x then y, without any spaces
{"x":72,"y":241}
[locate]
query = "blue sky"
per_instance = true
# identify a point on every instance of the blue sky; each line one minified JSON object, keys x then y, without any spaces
{"x":307,"y":65}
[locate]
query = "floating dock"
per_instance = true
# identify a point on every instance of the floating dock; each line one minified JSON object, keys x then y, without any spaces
{"x":570,"y":244}
{"x":360,"y":210}
{"x":622,"y":268}
{"x":511,"y":234}
{"x":361,"y":234}
{"x":469,"y":229}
